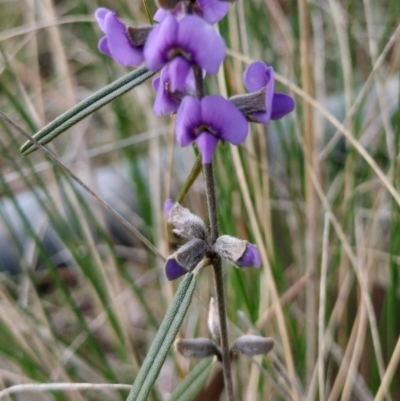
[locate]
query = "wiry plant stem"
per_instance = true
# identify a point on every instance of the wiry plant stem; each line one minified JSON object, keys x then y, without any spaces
{"x":218,"y":278}
{"x":217,"y":266}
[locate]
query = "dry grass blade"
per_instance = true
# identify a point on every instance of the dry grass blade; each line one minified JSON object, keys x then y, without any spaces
{"x":126,"y":223}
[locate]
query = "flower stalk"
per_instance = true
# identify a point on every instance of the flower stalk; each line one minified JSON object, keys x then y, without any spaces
{"x":218,"y":278}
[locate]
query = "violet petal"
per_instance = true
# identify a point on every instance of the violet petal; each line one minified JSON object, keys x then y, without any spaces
{"x":168,"y":205}
{"x":206,"y":144}
{"x":161,"y":39}
{"x":173,"y":269}
{"x":179,"y":70}
{"x":199,"y":39}
{"x":282,"y":104}
{"x":100,"y":16}
{"x":188,"y":119}
{"x":164,"y":103}
{"x":213,"y":10}
{"x":251,"y":257}
{"x":160,"y":15}
{"x":228,"y":122}
{"x":103,"y":46}
{"x":119,"y":44}
{"x":256,"y":76}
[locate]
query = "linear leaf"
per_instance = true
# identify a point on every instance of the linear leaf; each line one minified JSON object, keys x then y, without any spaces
{"x":155,"y":358}
{"x":87,"y":106}
{"x":193,"y":382}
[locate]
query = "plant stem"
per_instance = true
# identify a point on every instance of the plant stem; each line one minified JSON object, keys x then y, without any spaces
{"x":217,"y":266}
{"x":218,"y":278}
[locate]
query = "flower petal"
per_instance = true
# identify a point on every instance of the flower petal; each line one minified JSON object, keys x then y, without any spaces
{"x":251,"y":257}
{"x":282,"y":104}
{"x":120,"y":47}
{"x":213,"y":10}
{"x":188,"y":119}
{"x":228,"y":122}
{"x":207,"y":143}
{"x":160,"y":15}
{"x":103,"y":46}
{"x":161,"y":39}
{"x":256,"y":76}
{"x":168,"y":205}
{"x":179,"y":70}
{"x":202,"y":42}
{"x":100,"y":16}
{"x":173,"y":269}
{"x":164,"y":103}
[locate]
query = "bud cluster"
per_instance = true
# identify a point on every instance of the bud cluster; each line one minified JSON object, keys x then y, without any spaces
{"x":190,"y":227}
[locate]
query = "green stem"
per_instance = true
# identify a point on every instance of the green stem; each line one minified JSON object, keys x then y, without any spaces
{"x":196,"y":170}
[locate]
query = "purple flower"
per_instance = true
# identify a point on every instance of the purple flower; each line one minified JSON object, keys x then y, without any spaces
{"x":169,"y":97}
{"x":259,"y":77}
{"x":183,"y":43}
{"x":208,"y":120}
{"x":211,"y":10}
{"x":116,"y":42}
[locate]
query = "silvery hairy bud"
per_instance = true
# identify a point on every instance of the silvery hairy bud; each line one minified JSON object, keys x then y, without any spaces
{"x":197,"y":348}
{"x":237,"y":251}
{"x":252,"y":345}
{"x":184,"y":223}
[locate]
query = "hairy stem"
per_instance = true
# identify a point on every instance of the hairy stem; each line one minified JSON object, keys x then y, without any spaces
{"x":218,"y":278}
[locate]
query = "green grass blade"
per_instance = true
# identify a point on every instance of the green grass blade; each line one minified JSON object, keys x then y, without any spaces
{"x":193,"y":382}
{"x":88,"y":106}
{"x":165,"y":336}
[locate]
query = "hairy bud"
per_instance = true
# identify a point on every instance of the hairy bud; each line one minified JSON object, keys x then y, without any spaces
{"x":253,"y":345}
{"x":237,"y":251}
{"x":190,"y":254}
{"x":186,"y":224}
{"x":197,"y":348}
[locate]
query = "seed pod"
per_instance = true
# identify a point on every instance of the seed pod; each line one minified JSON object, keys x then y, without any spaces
{"x":253,"y":345}
{"x":197,"y":348}
{"x":213,"y":321}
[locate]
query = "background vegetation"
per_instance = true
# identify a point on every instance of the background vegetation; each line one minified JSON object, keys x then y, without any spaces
{"x":318,"y":193}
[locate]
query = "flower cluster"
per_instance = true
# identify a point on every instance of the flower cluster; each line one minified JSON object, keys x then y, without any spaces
{"x":178,"y":43}
{"x":190,"y":227}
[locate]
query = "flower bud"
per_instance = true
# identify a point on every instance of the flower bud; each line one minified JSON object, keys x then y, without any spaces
{"x":237,"y":251}
{"x":190,"y":254}
{"x":185,"y":259}
{"x":253,"y":345}
{"x":184,"y":223}
{"x":197,"y":348}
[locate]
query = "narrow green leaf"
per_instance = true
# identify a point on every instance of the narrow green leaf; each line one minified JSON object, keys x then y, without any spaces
{"x":193,"y":382}
{"x":155,"y":358}
{"x":88,"y":106}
